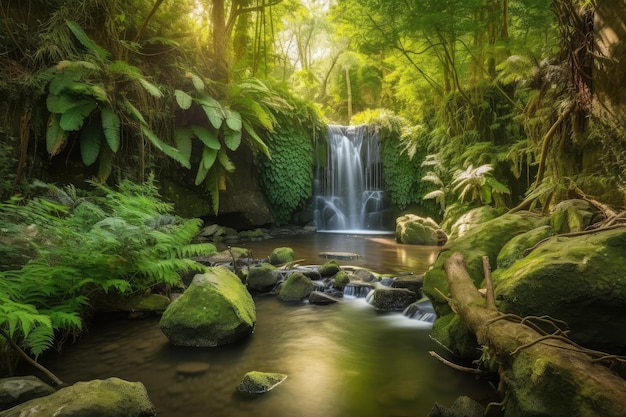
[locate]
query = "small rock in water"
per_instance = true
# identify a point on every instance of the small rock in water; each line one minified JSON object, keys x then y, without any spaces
{"x":348,"y":256}
{"x":192,"y":368}
{"x":256,"y":382}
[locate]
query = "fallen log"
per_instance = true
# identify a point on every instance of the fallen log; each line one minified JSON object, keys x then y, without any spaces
{"x":540,"y":375}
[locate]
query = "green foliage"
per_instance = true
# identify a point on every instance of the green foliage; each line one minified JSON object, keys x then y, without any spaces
{"x":123,"y":241}
{"x":479,"y":185}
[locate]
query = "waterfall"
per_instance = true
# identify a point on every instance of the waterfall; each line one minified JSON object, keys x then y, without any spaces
{"x":348,"y":182}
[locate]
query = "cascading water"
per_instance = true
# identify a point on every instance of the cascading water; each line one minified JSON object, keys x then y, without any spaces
{"x":348,"y":183}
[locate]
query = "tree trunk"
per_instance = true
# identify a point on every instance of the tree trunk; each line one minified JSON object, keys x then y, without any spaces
{"x":542,"y":375}
{"x":220,"y":39}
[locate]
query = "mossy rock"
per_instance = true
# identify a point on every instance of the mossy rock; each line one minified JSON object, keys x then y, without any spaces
{"x":295,"y":288}
{"x":572,"y":216}
{"x":473,"y":217}
{"x":450,"y":331}
{"x":391,"y":299}
{"x":516,"y":248}
{"x":262,"y":278}
{"x":281,"y":256}
{"x":329,"y":268}
{"x":486,"y":239}
{"x":255,"y":382}
{"x":579,"y":280}
{"x":112,"y":397}
{"x":19,"y":389}
{"x":216,"y":309}
{"x":342,"y":278}
{"x":416,"y":230}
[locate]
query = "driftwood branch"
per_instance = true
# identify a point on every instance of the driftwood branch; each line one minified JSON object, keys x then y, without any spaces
{"x":454,"y":365}
{"x":541,"y":363}
{"x":30,"y":360}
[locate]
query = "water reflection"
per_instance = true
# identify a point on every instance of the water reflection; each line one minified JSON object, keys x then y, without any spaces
{"x":380,"y":253}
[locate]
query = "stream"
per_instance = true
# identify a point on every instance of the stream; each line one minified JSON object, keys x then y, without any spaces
{"x":342,"y":360}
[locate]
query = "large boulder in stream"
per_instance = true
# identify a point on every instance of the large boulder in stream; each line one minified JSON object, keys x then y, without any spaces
{"x":215,"y":310}
{"x":579,"y":280}
{"x":415,"y":230}
{"x":112,"y":397}
{"x":262,"y":278}
{"x":18,"y":389}
{"x":281,"y":256}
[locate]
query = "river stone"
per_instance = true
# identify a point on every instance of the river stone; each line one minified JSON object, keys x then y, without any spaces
{"x":415,"y":230}
{"x":342,"y":278}
{"x":112,"y":397}
{"x":329,"y":268}
{"x":18,"y":389}
{"x":255,"y":382}
{"x":296,"y":287}
{"x":462,"y":407}
{"x":579,"y":280}
{"x":280,"y":256}
{"x":364,"y":275}
{"x":215,"y":310}
{"x":410,"y":282}
{"x":262,"y":278}
{"x":391,"y":299}
{"x":319,"y":298}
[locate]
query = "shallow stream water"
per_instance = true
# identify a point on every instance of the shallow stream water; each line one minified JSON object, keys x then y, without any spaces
{"x":342,"y":360}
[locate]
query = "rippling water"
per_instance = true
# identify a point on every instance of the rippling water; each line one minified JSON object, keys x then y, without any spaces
{"x":342,"y":360}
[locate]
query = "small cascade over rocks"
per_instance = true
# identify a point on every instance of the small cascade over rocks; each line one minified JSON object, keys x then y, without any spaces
{"x":349,"y":182}
{"x":422,"y":311}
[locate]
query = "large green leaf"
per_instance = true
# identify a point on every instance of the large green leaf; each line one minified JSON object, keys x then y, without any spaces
{"x":150,"y":88}
{"x":183,"y":99}
{"x":105,"y":166}
{"x":86,"y":41}
{"x":255,"y":140}
{"x":168,"y":150}
{"x":232,"y":139}
{"x":64,"y":81}
{"x":213,"y":110}
{"x":55,"y":135}
{"x":134,"y":112}
{"x":183,"y":136}
{"x":90,"y":143}
{"x":124,"y":68}
{"x":196,"y":81}
{"x":74,"y":117}
{"x":207,"y":161}
{"x":111,"y":125}
{"x":59,"y":103}
{"x":233,"y":120}
{"x":206,"y":137}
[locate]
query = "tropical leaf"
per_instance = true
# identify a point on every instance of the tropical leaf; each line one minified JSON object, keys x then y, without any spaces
{"x":206,"y":163}
{"x":213,"y":110}
{"x":62,"y":81}
{"x":255,"y":140}
{"x":55,"y":135}
{"x":184,"y":143}
{"x":233,"y":120}
{"x":90,"y":143}
{"x":124,"y":68}
{"x":212,"y":186}
{"x":150,"y":88}
{"x":225,"y":160}
{"x":232,"y":139}
{"x":111,"y":125}
{"x":183,"y":99}
{"x":86,"y":41}
{"x":105,"y":166}
{"x":74,"y":117}
{"x":59,"y":103}
{"x":168,"y":150}
{"x":197,"y":82}
{"x":99,"y":93}
{"x":206,"y":137}
{"x":134,"y":112}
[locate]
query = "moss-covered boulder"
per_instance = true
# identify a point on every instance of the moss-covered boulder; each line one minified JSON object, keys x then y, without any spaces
{"x":280,"y":256}
{"x":580,"y":280}
{"x":485,"y":239}
{"x":470,"y":219}
{"x":329,"y":268}
{"x":516,"y":248}
{"x":215,"y":310}
{"x":391,"y":299}
{"x":572,"y":216}
{"x":255,"y":382}
{"x":262,"y":278}
{"x":414,"y":283}
{"x":415,"y":230}
{"x":342,"y":278}
{"x":295,"y":288}
{"x":112,"y":397}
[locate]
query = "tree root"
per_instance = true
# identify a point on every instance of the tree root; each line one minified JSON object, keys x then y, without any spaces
{"x":453,"y":365}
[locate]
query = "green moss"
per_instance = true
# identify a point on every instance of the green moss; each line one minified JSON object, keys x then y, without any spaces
{"x":329,"y":268}
{"x":342,"y":278}
{"x":282,"y":256}
{"x":255,"y":382}
{"x":516,"y":248}
{"x":295,"y":288}
{"x":453,"y":334}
